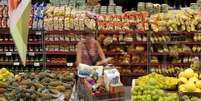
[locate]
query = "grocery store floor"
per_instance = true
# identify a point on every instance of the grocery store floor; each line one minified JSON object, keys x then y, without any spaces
{"x":127,"y":94}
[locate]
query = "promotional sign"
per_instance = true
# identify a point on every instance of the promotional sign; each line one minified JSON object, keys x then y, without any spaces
{"x":19,"y":14}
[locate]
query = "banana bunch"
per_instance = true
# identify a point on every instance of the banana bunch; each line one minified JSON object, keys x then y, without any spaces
{"x":160,"y":38}
{"x":196,"y":48}
{"x":169,"y":70}
{"x":182,"y":20}
{"x":197,"y":37}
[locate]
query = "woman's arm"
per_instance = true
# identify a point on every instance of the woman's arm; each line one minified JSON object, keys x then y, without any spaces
{"x":101,"y":54}
{"x":78,"y":52}
{"x":100,"y":51}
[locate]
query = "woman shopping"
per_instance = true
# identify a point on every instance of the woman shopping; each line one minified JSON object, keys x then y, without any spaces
{"x":89,"y":51}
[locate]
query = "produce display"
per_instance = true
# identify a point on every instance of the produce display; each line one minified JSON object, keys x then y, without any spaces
{"x":39,"y":86}
{"x":57,"y":60}
{"x":127,"y":21}
{"x":151,"y":88}
{"x":105,"y":9}
{"x":187,"y":98}
{"x":163,"y":82}
{"x":182,"y":20}
{"x":63,"y":37}
{"x":167,"y":70}
{"x":5,"y":75}
{"x":189,"y":81}
{"x":152,"y":8}
{"x":72,"y":3}
{"x":66,"y":18}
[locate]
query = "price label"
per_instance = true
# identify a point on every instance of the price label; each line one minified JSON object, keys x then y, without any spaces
{"x":36,"y":64}
{"x":8,"y":53}
{"x":122,"y":32}
{"x":122,"y":43}
{"x":38,"y":33}
{"x":31,"y":54}
{"x":16,"y":63}
{"x":69,"y":64}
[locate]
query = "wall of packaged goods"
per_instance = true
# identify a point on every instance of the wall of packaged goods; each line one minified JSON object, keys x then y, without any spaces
{"x":138,"y":43}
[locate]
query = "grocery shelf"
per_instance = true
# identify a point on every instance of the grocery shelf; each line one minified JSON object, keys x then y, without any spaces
{"x":166,"y":53}
{"x":133,"y":75}
{"x":176,"y":33}
{"x":174,"y":64}
{"x":29,"y":52}
{"x":106,"y":53}
{"x":60,"y":53}
{"x":63,"y":31}
{"x":61,"y":42}
{"x":130,"y":43}
{"x":129,"y":64}
{"x":179,"y":42}
{"x":57,"y":64}
{"x":18,"y":63}
{"x":120,"y":32}
{"x":31,"y":31}
{"x":11,"y":42}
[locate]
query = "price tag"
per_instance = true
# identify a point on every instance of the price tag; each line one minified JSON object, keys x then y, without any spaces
{"x":16,"y":63}
{"x":122,"y":43}
{"x":122,"y":32}
{"x":38,"y":33}
{"x":8,"y":53}
{"x":36,"y":64}
{"x":31,"y":54}
{"x":69,"y":64}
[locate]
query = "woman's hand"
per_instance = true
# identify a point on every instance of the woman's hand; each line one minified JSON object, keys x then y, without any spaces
{"x":100,"y":63}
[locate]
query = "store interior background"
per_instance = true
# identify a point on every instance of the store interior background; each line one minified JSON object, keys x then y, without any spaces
{"x":132,"y":4}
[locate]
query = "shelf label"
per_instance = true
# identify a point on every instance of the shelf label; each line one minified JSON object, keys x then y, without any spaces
{"x":31,"y":54}
{"x":69,"y":64}
{"x":122,"y":43}
{"x":38,"y":33}
{"x":36,"y":64}
{"x":8,"y":53}
{"x":122,"y":32}
{"x":16,"y":63}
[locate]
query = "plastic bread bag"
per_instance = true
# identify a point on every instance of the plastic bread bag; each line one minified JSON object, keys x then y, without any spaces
{"x":84,"y":70}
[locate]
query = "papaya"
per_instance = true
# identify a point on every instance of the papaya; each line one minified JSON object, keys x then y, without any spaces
{"x":38,"y":85}
{"x":60,"y":88}
{"x":67,"y":86}
{"x":55,"y":83}
{"x":54,"y":91}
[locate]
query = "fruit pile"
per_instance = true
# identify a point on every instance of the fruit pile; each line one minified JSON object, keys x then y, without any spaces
{"x":189,"y":81}
{"x":162,"y":81}
{"x":187,"y":98}
{"x":182,"y":20}
{"x":130,"y":20}
{"x":151,"y":91}
{"x":66,"y":18}
{"x":39,"y":86}
{"x":197,"y":37}
{"x":5,"y":74}
{"x":168,"y":70}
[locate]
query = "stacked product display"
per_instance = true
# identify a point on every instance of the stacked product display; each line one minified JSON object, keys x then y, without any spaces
{"x":36,"y":86}
{"x":159,"y":47}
